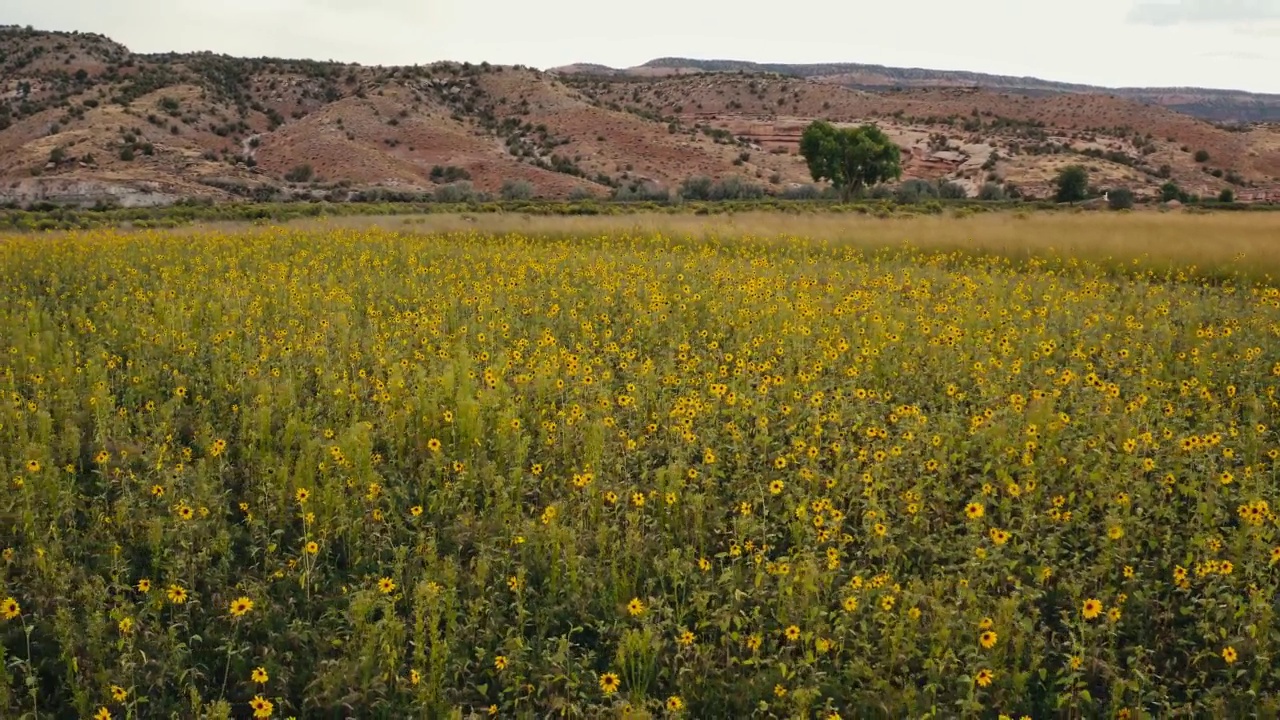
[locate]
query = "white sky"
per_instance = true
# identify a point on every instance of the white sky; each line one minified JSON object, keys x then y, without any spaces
{"x":1207,"y":43}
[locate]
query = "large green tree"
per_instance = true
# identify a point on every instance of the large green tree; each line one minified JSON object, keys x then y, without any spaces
{"x":1073,"y":184}
{"x":851,"y":158}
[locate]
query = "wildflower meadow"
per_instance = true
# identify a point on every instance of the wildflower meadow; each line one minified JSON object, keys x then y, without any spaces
{"x":369,"y":473}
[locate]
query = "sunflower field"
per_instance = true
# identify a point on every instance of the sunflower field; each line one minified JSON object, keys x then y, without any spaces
{"x":377,"y":474}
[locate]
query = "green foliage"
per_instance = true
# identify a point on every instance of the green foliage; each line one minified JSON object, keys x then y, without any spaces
{"x":448,"y":174}
{"x":697,"y":187}
{"x":730,"y":544}
{"x":516,"y":190}
{"x":850,"y":158}
{"x":1202,"y":156}
{"x":914,"y":191}
{"x":456,"y":192}
{"x":731,"y":188}
{"x":1120,"y":198}
{"x":1227,"y":195}
{"x":1072,"y":184}
{"x":1170,"y":191}
{"x":735,"y":188}
{"x":642,"y":192}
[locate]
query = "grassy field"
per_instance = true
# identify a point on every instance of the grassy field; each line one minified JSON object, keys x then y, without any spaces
{"x":747,"y":466}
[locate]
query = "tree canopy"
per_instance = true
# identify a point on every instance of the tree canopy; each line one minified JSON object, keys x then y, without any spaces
{"x":850,"y":158}
{"x":1073,"y":184}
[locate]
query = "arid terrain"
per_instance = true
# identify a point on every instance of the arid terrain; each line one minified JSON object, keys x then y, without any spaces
{"x":1206,"y":103}
{"x":85,"y":121}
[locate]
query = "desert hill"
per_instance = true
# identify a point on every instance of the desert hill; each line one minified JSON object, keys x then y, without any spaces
{"x":1205,"y":103}
{"x":83,"y":120}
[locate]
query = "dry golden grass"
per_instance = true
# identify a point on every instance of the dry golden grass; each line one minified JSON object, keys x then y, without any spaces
{"x":1210,"y":243}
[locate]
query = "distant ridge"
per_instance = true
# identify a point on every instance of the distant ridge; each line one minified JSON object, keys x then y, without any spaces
{"x":1222,"y":105}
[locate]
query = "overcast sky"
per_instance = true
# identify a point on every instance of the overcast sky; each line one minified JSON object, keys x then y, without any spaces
{"x":1208,"y":43}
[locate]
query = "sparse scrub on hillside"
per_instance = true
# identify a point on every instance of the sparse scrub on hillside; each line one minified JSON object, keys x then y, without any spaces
{"x":448,"y":174}
{"x":563,"y":164}
{"x":300,"y":173}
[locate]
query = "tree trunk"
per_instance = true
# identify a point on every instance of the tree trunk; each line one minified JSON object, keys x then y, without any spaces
{"x":848,"y":190}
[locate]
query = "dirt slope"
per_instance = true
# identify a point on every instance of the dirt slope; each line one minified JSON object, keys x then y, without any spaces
{"x":83,"y":120}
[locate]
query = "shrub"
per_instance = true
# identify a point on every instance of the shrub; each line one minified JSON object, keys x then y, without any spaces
{"x":735,"y":188}
{"x":914,"y":191}
{"x":951,"y":191}
{"x":642,"y":192}
{"x":449,"y":174}
{"x":456,"y":192}
{"x":880,"y":192}
{"x":516,"y":190}
{"x":991,"y":191}
{"x":697,"y":187}
{"x":1202,"y":156}
{"x":1120,"y":199}
{"x":580,"y":193}
{"x":300,"y":174}
{"x":801,"y":192}
{"x":1171,"y":191}
{"x":1227,"y":195}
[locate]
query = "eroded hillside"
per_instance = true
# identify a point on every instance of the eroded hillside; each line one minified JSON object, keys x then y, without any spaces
{"x":83,"y":120}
